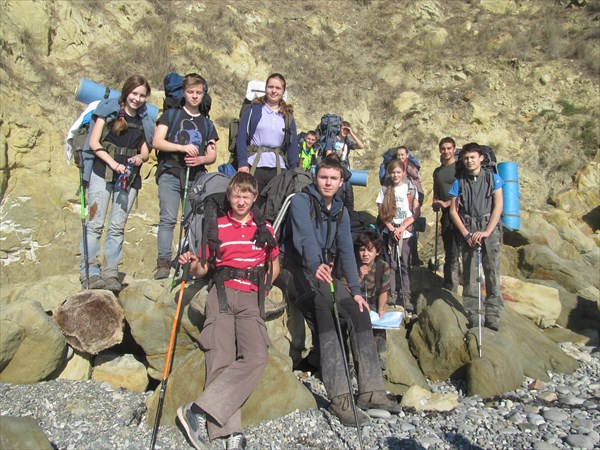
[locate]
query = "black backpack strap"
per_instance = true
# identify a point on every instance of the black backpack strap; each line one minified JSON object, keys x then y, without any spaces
{"x":255,"y":276}
{"x":287,"y":134}
{"x":173,"y":115}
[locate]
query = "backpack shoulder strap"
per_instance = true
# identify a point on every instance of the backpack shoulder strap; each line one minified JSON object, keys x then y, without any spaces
{"x":173,"y":115}
{"x":287,"y":136}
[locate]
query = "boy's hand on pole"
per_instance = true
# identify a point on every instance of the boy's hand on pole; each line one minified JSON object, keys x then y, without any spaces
{"x":187,"y":257}
{"x":323,"y":273}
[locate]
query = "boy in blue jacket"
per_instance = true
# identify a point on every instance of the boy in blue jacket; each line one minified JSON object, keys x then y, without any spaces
{"x":319,"y":246}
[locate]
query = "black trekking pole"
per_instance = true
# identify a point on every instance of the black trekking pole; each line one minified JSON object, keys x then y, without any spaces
{"x":479,"y":309}
{"x":170,"y":351}
{"x":179,"y":242}
{"x":399,"y":266}
{"x":336,"y":314}
{"x":435,"y":260}
{"x":84,"y":225}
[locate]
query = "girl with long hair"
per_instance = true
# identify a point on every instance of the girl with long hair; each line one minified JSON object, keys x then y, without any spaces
{"x":120,"y":139}
{"x":399,"y":209}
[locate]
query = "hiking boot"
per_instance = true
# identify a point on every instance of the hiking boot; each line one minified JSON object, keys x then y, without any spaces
{"x":193,"y":421}
{"x":95,"y":282}
{"x":493,"y":323}
{"x":377,"y":400}
{"x":163,"y":269}
{"x":113,"y":284}
{"x":341,"y":406}
{"x":237,"y":441}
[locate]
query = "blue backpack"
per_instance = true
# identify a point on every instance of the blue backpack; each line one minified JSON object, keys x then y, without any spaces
{"x":390,"y":155}
{"x":173,"y":84}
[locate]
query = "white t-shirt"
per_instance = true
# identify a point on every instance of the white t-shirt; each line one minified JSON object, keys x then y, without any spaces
{"x":402,"y":205}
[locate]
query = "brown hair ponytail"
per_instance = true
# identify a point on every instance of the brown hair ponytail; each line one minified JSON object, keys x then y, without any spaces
{"x":120,"y":124}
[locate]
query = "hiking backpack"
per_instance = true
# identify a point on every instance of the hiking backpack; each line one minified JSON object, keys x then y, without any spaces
{"x":208,"y":200}
{"x":489,"y":161}
{"x":390,"y":155}
{"x":173,"y":84}
{"x":77,"y":137}
{"x":328,"y":129}
{"x":276,"y":192}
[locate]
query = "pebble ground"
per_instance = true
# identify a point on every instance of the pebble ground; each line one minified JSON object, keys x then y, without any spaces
{"x":558,"y":414}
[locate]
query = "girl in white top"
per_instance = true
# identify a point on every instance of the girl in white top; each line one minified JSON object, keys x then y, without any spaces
{"x":398,"y":207}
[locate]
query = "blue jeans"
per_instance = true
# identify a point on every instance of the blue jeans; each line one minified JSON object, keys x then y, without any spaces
{"x":99,"y":198}
{"x":170,"y":196}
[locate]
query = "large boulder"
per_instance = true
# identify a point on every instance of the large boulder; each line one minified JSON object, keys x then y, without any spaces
{"x":540,"y":304}
{"x":186,"y":383}
{"x":121,"y":371}
{"x":402,"y":370}
{"x":150,"y":308}
{"x":538,"y":261}
{"x":77,"y":368}
{"x":22,"y":433}
{"x":40,"y":348}
{"x":437,"y":339}
{"x":50,"y":292}
{"x":445,"y":348}
{"x":11,"y":336}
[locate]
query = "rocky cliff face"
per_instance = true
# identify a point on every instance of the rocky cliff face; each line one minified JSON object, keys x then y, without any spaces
{"x":519,"y":76}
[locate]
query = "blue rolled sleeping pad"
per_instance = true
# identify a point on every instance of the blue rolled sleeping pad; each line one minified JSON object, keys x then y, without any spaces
{"x":358,"y":177}
{"x":511,"y":217}
{"x":89,"y":91}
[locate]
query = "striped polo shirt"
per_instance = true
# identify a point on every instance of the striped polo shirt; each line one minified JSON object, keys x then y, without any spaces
{"x":238,"y":251}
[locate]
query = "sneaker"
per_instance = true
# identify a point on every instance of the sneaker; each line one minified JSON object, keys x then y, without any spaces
{"x":377,"y":400}
{"x":95,"y":282}
{"x":237,"y":441}
{"x":194,"y":424}
{"x":113,"y":284}
{"x":163,"y":269}
{"x":341,"y":407}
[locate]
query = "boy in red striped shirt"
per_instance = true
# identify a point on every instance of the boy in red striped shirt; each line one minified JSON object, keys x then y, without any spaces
{"x":234,"y":336}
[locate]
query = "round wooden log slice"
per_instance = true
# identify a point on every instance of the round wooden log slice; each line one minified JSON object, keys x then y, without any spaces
{"x":91,"y":320}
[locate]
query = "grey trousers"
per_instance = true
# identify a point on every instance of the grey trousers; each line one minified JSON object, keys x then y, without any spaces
{"x":451,"y":253}
{"x":236,"y":352}
{"x":490,"y":260}
{"x":314,"y":300}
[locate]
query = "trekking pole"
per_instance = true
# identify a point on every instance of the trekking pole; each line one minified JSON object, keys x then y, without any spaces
{"x":336,"y":314}
{"x":399,"y":265}
{"x":183,"y":211}
{"x":479,"y":309}
{"x":170,"y":351}
{"x":435,"y":260}
{"x":84,"y":226}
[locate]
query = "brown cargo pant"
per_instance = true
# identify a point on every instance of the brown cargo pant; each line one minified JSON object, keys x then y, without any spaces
{"x":236,"y":351}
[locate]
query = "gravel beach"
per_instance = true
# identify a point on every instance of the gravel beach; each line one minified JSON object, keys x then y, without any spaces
{"x":561,"y":413}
